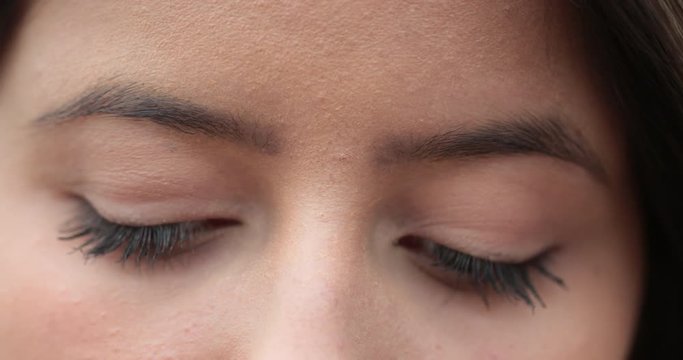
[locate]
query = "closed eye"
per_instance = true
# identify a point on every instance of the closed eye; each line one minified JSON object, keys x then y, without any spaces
{"x":510,"y":280}
{"x":141,"y":243}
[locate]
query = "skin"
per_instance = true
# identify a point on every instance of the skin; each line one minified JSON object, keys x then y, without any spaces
{"x":313,"y":271}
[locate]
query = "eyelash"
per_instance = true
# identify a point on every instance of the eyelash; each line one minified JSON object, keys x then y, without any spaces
{"x":511,"y":280}
{"x":143,"y":243}
{"x":153,"y":242}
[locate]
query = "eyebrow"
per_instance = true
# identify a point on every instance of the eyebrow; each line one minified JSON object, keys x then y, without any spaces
{"x":134,"y":101}
{"x":526,"y":134}
{"x":523,"y":135}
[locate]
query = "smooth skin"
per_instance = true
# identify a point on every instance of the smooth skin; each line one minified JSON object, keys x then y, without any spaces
{"x":314,"y":270}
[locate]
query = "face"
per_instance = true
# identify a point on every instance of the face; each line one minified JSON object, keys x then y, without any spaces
{"x":304,"y":180}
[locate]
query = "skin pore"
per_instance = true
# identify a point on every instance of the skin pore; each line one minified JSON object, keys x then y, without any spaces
{"x":315,"y":136}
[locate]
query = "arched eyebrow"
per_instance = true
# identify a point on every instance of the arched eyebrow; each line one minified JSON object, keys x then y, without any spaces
{"x":519,"y":135}
{"x":526,"y":134}
{"x":133,"y":101}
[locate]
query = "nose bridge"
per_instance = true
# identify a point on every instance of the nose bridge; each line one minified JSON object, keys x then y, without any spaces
{"x":318,"y":249}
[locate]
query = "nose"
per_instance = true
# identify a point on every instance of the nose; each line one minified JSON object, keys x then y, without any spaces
{"x":309,"y":306}
{"x":316,"y":293}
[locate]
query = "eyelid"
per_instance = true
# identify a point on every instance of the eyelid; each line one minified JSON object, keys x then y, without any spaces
{"x":149,"y":242}
{"x":503,"y":245}
{"x":169,"y":209}
{"x":508,"y":279}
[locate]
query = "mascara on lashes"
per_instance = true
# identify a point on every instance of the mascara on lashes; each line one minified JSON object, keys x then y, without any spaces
{"x":149,"y":242}
{"x":510,"y":280}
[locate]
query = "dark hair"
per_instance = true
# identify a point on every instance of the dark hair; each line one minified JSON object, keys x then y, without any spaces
{"x":639,"y":47}
{"x":11,"y":13}
{"x":639,"y":44}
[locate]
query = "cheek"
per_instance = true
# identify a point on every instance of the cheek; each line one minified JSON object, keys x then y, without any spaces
{"x":52,"y":305}
{"x":48,"y":322}
{"x":66,"y":322}
{"x":593,"y":318}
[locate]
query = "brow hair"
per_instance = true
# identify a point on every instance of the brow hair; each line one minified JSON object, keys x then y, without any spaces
{"x":134,"y":101}
{"x":526,"y":134}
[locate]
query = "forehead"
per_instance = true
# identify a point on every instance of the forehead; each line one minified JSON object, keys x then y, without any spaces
{"x":349,"y":62}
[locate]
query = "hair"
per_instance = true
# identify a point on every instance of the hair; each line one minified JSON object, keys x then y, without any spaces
{"x":639,"y":48}
{"x":11,"y":13}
